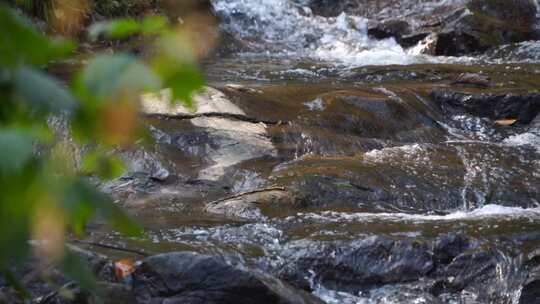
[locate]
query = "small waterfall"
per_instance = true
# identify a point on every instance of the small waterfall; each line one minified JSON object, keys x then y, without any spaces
{"x":282,"y":27}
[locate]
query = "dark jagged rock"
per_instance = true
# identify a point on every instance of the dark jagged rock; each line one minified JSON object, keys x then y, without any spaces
{"x":355,"y":265}
{"x":530,"y":294}
{"x":523,"y":107}
{"x":447,"y":247}
{"x":482,"y":272}
{"x":189,"y":278}
{"x":485,"y":24}
{"x":398,"y":29}
{"x":43,"y":286}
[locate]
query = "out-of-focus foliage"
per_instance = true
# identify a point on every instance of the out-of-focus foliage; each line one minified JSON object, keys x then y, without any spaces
{"x":44,"y":192}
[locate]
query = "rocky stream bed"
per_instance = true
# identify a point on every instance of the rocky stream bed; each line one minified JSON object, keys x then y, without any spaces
{"x":338,"y":156}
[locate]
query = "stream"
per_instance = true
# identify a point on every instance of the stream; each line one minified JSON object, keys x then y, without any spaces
{"x":354,"y":168}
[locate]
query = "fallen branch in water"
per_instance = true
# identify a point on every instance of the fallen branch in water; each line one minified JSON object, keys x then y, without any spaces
{"x":272,"y":188}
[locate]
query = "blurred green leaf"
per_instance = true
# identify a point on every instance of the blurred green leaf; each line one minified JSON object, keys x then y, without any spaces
{"x":17,"y":148}
{"x":104,"y":98}
{"x":152,"y":25}
{"x":115,"y":29}
{"x":84,"y":193}
{"x":21,"y":43}
{"x":73,"y":267}
{"x":122,"y":28}
{"x":183,"y":83}
{"x":104,"y":166}
{"x":41,"y":92}
{"x":111,"y":76}
{"x":17,"y":285}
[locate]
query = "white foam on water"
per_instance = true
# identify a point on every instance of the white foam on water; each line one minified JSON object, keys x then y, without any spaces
{"x":485,"y":212}
{"x":529,"y":139}
{"x":384,"y":295}
{"x":414,"y":153}
{"x":288,"y":28}
{"x":315,"y":105}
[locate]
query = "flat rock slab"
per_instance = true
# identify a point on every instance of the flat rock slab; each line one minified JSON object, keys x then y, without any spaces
{"x":209,"y":100}
{"x":229,"y":141}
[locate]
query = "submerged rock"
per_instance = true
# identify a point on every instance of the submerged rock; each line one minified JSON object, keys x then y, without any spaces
{"x":185,"y":277}
{"x":523,"y":107}
{"x":415,"y":178}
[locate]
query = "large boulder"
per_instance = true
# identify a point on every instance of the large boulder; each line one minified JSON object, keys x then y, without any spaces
{"x":190,"y":278}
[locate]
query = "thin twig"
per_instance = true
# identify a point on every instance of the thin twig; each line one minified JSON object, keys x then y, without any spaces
{"x":272,"y":188}
{"x":107,"y":246}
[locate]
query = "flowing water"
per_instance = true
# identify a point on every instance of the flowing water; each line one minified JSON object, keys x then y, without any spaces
{"x":348,"y":124}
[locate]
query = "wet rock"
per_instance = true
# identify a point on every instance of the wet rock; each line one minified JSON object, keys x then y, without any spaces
{"x":420,"y":10}
{"x":462,"y":27}
{"x":523,"y":107}
{"x":145,"y":162}
{"x":447,"y":247}
{"x":523,"y":51}
{"x":42,"y":283}
{"x":414,"y":178}
{"x":530,"y":294}
{"x":320,"y":191}
{"x":390,"y":28}
{"x":375,"y":114}
{"x":354,"y":265}
{"x":331,"y":8}
{"x":251,"y":205}
{"x":473,"y":80}
{"x":484,"y":24}
{"x":398,"y":29}
{"x":233,"y":142}
{"x":472,"y":271}
{"x":184,"y":277}
{"x":296,"y":140}
{"x":217,"y":134}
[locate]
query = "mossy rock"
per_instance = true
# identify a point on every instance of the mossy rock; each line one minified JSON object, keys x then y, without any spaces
{"x":486,"y":24}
